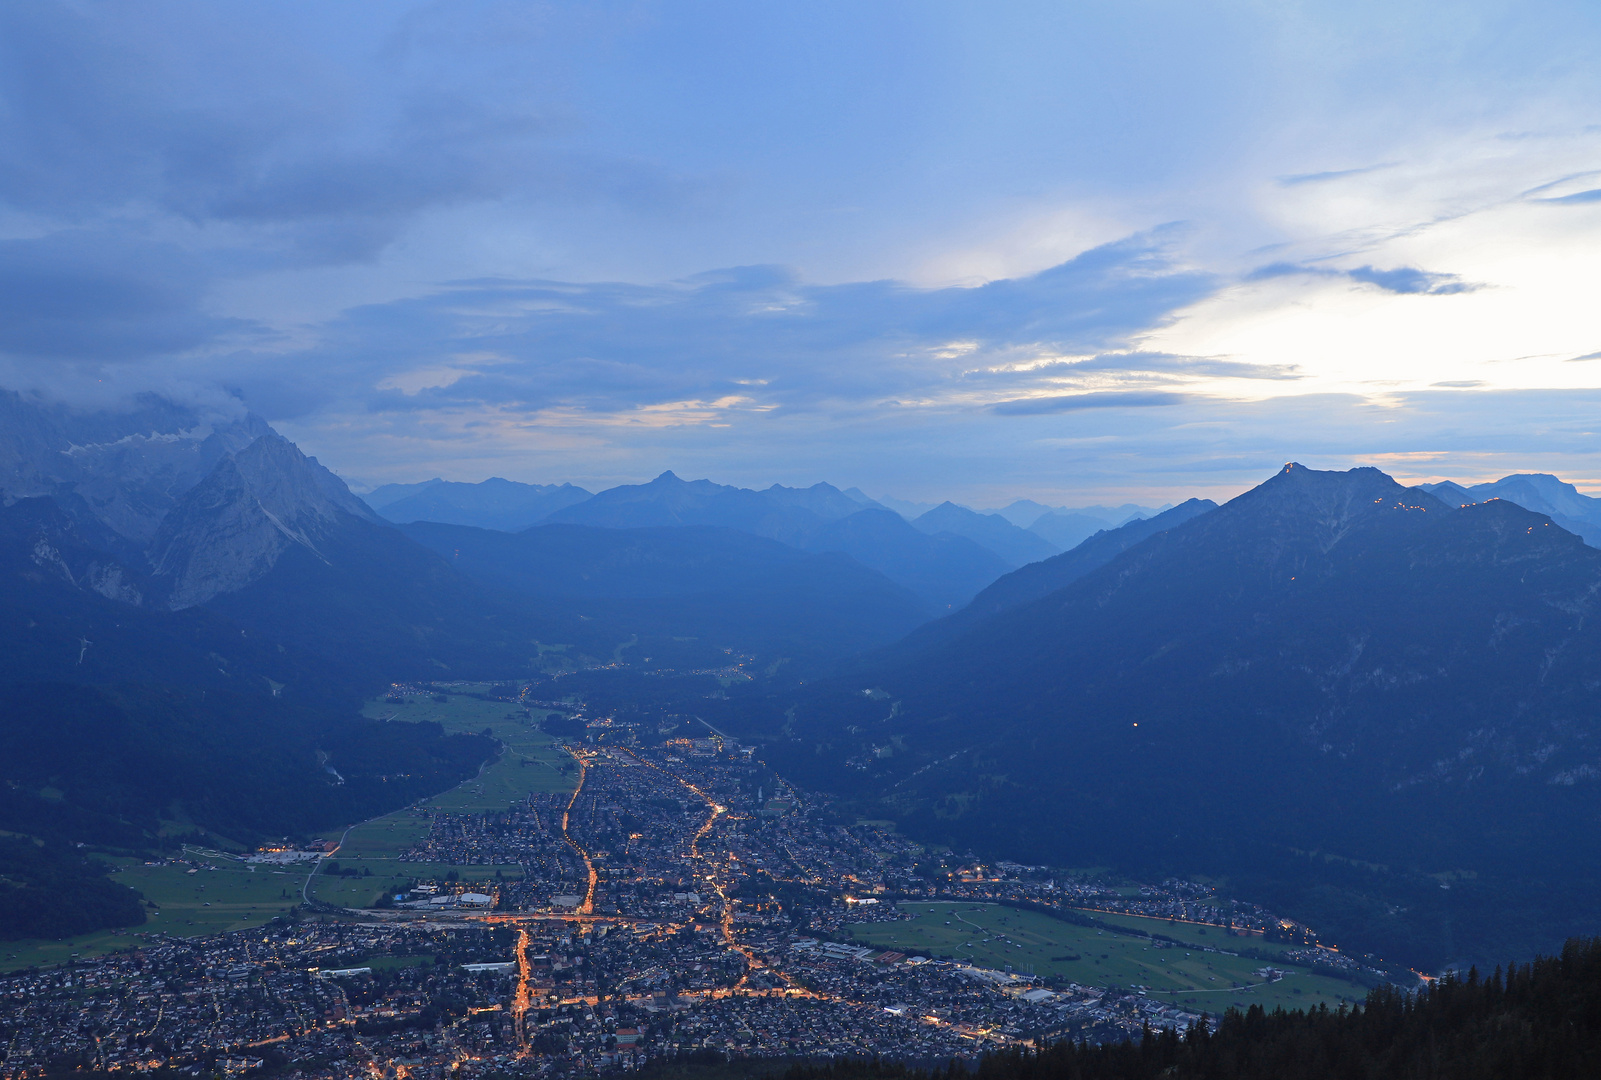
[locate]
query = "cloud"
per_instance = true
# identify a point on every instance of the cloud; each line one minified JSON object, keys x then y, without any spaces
{"x":478,"y":230}
{"x":234,"y":128}
{"x":1112,"y":399}
{"x":1579,"y":197}
{"x":1154,"y":363}
{"x":1403,"y":280}
{"x":1336,"y":174}
{"x":752,"y":338}
{"x":91,"y":298}
{"x":1407,"y":280}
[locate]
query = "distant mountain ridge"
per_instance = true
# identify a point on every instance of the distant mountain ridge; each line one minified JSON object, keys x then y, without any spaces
{"x":944,"y":569}
{"x":122,"y":469}
{"x":238,"y":523}
{"x":1038,"y":580}
{"x":1023,"y":532}
{"x":1543,"y":493}
{"x":492,"y":504}
{"x":1017,"y":546}
{"x":714,"y":583}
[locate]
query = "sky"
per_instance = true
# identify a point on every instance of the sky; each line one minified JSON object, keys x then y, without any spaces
{"x":1074,"y":252}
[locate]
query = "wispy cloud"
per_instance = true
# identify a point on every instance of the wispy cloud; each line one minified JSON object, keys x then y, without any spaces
{"x":1403,"y":280}
{"x":1589,"y":196}
{"x":750,"y":338}
{"x":1335,"y":174}
{"x":1108,"y":399}
{"x":597,"y":234}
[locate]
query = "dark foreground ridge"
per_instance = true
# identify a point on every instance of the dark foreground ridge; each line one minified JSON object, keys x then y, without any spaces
{"x":1535,"y":1020}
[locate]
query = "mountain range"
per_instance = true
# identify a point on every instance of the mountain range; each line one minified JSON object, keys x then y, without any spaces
{"x":1563,"y":503}
{"x":723,"y":584}
{"x":492,"y":504}
{"x":165,"y":511}
{"x":944,"y":568}
{"x":1023,"y":532}
{"x":1374,"y":707}
{"x":1371,"y":705}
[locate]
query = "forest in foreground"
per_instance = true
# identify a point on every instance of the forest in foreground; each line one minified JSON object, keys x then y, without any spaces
{"x":1536,"y":1020}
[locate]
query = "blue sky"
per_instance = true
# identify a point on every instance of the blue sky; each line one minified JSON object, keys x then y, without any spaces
{"x":1078,"y":252}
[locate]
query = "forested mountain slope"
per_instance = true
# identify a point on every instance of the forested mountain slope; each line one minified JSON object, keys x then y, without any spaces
{"x":1540,"y":1019}
{"x":730,"y":588}
{"x":1330,"y":663}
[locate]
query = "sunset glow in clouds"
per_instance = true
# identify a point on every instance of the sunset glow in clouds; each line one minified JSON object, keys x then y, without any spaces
{"x":934,"y":250}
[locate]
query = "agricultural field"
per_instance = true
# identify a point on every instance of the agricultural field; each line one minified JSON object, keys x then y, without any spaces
{"x":234,"y":896}
{"x":231,"y":897}
{"x":992,"y":936}
{"x":47,"y":952}
{"x":530,"y":762}
{"x":1192,"y":934}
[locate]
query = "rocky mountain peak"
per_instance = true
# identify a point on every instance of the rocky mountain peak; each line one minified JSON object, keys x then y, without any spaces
{"x":1310,"y":506}
{"x":232,"y":527}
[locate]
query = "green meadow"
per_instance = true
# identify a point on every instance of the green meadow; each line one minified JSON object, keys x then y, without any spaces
{"x":234,"y":896}
{"x":390,"y":876}
{"x":231,"y":897}
{"x":1192,"y":934}
{"x":42,"y":952}
{"x":530,"y":762}
{"x":992,"y":936}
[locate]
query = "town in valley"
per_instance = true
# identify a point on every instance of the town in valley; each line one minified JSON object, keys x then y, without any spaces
{"x":656,"y":894}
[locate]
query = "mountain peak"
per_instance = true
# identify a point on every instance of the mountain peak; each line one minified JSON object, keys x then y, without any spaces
{"x":232,"y":527}
{"x":1318,"y":508}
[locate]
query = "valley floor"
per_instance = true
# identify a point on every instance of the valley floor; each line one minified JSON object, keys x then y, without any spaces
{"x":618,"y":902}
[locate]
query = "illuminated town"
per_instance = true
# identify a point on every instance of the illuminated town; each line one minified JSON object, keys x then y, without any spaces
{"x":681,"y":898}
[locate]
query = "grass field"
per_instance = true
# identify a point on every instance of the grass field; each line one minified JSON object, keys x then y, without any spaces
{"x":530,"y":762}
{"x":1190,"y":933}
{"x":187,"y":905}
{"x":992,"y":936}
{"x":39,"y":952}
{"x":213,"y":901}
{"x":234,"y":897}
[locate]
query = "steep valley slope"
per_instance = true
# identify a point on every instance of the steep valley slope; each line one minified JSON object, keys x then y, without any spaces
{"x":1381,"y":712}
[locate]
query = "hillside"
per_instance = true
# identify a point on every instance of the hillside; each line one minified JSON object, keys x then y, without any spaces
{"x":1329,"y":663}
{"x":1017,"y":546}
{"x":1037,"y":580}
{"x":944,"y":569}
{"x":492,"y":504}
{"x":133,"y":769}
{"x":730,"y":588}
{"x":1543,"y":493}
{"x":1528,"y":1020}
